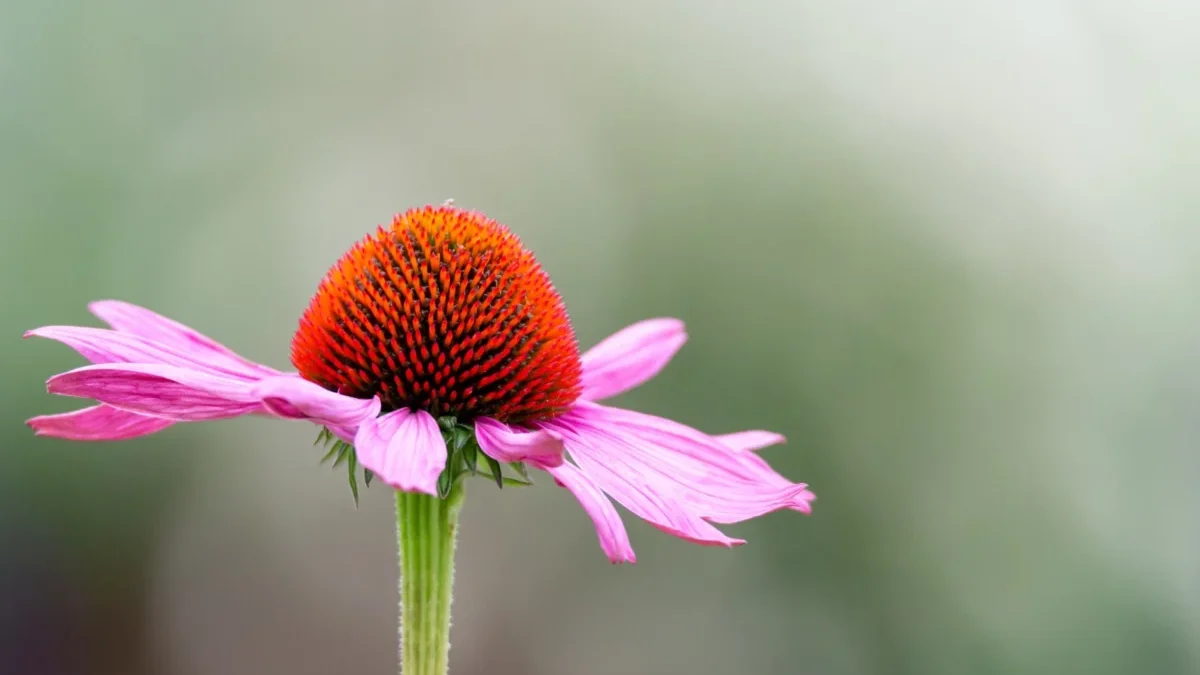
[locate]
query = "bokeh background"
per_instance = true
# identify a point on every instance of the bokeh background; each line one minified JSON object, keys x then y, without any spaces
{"x":949,"y":248}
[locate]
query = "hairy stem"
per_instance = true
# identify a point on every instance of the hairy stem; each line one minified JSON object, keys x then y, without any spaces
{"x":426,"y":528}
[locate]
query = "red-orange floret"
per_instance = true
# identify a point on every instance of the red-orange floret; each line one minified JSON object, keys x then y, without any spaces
{"x":444,"y":311}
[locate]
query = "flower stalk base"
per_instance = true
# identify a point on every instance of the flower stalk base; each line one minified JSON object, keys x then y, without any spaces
{"x":427,"y":528}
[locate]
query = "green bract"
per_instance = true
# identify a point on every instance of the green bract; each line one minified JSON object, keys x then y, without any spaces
{"x":463,"y":458}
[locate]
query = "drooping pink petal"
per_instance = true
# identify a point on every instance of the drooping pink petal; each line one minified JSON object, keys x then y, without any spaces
{"x":296,"y":398}
{"x":709,"y":479}
{"x":708,"y":461}
{"x":651,"y":498}
{"x":751,"y":440}
{"x":614,"y":540}
{"x":506,"y":444}
{"x":171,"y":392}
{"x":128,"y":318}
{"x":610,"y":463}
{"x":100,"y":345}
{"x":745,"y":443}
{"x":701,"y":456}
{"x":630,"y":357}
{"x":404,"y":448}
{"x":97,"y":423}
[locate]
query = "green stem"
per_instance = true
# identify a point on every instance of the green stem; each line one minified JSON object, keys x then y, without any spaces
{"x":426,"y":528}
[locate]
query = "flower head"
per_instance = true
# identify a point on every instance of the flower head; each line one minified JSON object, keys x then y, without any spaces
{"x":443,"y":311}
{"x":434,"y":344}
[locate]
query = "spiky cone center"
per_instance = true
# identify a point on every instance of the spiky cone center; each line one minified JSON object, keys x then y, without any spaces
{"x":444,"y":311}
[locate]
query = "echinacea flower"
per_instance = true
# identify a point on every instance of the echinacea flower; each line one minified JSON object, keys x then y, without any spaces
{"x":434,"y":339}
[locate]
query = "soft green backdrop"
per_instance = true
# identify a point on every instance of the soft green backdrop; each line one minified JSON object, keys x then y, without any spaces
{"x":948,"y":248}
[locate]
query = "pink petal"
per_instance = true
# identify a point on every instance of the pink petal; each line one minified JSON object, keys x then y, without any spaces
{"x":100,"y":345}
{"x":607,"y":460}
{"x":715,"y":482}
{"x":97,"y":423}
{"x":139,"y":321}
{"x":630,"y":357}
{"x":751,"y":440}
{"x":702,"y":456}
{"x":344,"y":433}
{"x":614,"y":540}
{"x":708,"y":460}
{"x":506,"y":444}
{"x":161,"y":391}
{"x":296,"y":398}
{"x":404,"y":448}
{"x":744,"y":443}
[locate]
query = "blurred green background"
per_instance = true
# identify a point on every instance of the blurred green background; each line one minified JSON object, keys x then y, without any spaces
{"x":948,"y":248}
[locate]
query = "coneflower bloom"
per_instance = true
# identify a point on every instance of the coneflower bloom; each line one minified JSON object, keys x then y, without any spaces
{"x":434,"y":337}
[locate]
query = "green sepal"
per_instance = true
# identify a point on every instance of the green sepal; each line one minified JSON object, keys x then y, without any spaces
{"x":329,"y":455}
{"x":459,"y":438}
{"x":462,"y":459}
{"x":470,"y":455}
{"x":352,"y":473}
{"x":324,"y":437}
{"x":497,"y":473}
{"x":506,"y":480}
{"x":344,"y":451}
{"x":522,"y":471}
